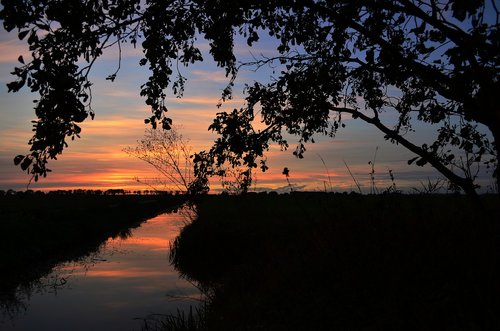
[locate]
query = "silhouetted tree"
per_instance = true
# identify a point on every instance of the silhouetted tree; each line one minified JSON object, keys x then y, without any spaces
{"x":169,"y":153}
{"x":434,"y":61}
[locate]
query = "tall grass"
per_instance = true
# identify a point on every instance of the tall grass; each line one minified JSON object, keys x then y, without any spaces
{"x":353,"y":178}
{"x":192,"y":320}
{"x":316,"y":261}
{"x":328,"y":174}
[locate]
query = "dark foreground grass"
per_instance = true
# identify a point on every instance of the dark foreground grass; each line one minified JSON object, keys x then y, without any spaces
{"x":40,"y":231}
{"x":339,"y":262}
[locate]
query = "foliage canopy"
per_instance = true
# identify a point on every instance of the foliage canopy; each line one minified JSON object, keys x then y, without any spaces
{"x":434,"y":61}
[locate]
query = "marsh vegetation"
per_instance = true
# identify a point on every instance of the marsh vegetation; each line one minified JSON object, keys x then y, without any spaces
{"x":301,"y":261}
{"x":314,"y":261}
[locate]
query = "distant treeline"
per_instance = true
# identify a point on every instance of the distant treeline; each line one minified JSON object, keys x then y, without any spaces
{"x":90,"y":192}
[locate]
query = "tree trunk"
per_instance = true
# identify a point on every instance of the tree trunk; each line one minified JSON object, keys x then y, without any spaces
{"x":485,"y":110}
{"x":495,"y":130}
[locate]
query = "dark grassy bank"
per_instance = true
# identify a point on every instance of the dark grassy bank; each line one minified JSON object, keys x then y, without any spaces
{"x":341,"y":262}
{"x":39,"y":231}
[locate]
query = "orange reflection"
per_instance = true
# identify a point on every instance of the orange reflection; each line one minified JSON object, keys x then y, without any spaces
{"x":142,"y":255}
{"x":149,"y":242}
{"x":124,"y":273}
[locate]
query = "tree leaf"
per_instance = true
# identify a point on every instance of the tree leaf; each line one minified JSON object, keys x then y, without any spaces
{"x":26,"y":163}
{"x":18,"y":159}
{"x":23,"y":34}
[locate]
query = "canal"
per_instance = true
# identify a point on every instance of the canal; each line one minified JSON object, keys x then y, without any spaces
{"x":128,"y":279}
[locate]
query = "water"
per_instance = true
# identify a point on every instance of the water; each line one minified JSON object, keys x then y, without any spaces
{"x":128,"y":278}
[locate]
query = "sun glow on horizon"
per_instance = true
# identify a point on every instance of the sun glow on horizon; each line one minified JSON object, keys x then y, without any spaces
{"x":97,"y":160}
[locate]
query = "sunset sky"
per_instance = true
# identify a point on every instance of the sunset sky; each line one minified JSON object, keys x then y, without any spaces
{"x":97,"y":160}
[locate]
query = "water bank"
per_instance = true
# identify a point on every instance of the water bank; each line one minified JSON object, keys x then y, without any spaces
{"x":331,"y":261}
{"x":41,"y":231}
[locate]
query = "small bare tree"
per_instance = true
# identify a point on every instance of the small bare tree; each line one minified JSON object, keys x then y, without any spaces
{"x":169,"y":153}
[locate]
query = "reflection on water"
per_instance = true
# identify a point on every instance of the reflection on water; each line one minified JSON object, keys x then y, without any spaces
{"x":129,"y":277}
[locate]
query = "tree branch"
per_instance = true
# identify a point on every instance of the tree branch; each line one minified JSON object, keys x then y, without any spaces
{"x":466,"y":184}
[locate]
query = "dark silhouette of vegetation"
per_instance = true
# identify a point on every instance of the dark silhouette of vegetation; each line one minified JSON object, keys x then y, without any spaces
{"x":286,"y":172}
{"x":40,"y":231}
{"x":431,"y":187}
{"x":194,"y":320}
{"x":170,"y":154}
{"x":436,"y":62}
{"x":316,"y":261}
{"x":353,"y":178}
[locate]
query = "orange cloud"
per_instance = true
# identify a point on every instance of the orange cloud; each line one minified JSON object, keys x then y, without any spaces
{"x":210,"y":101}
{"x":11,"y":49}
{"x":218,"y":76}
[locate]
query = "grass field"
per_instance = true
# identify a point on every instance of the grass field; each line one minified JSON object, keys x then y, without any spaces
{"x":302,"y":261}
{"x":311,"y":261}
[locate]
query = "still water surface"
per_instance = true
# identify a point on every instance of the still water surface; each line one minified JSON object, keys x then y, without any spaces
{"x":128,"y":278}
